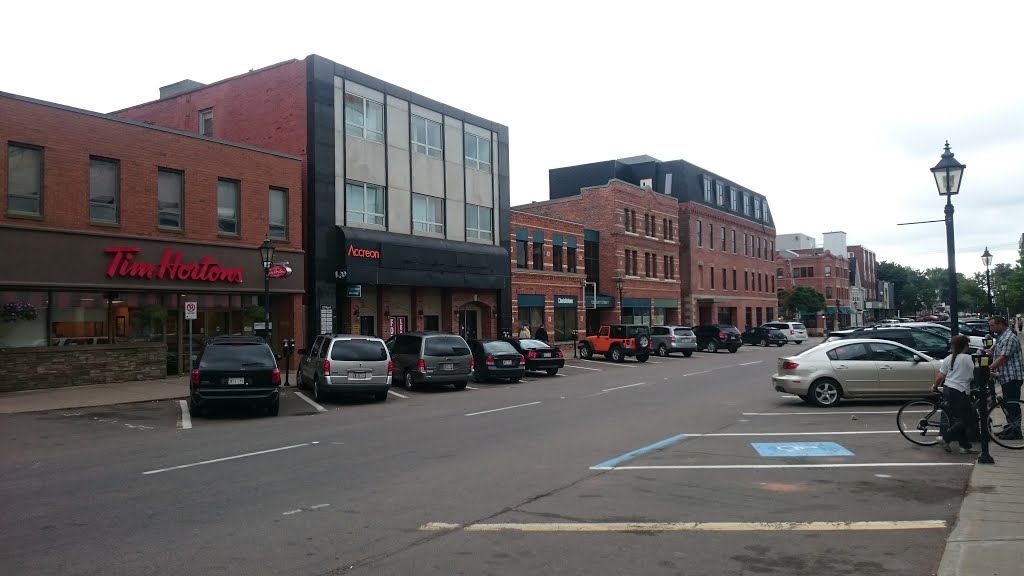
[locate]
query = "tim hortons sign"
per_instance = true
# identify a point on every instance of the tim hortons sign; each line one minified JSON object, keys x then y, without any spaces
{"x":124,"y":264}
{"x":363,"y":253}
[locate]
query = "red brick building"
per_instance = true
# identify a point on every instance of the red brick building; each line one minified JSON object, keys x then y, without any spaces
{"x":867,"y":276}
{"x":110,"y":225}
{"x":822,"y":270}
{"x":548,"y":274}
{"x":631,"y":233}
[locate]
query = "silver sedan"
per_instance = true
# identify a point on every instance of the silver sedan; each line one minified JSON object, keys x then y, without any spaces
{"x":857,"y":368}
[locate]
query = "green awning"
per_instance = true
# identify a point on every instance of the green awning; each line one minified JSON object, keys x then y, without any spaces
{"x":670,"y":303}
{"x":845,"y":310}
{"x":830,"y":310}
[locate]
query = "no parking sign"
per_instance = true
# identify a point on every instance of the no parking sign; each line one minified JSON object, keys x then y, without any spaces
{"x":191,"y":310}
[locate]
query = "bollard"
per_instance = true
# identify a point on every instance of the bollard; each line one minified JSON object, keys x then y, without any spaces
{"x":984,"y":385}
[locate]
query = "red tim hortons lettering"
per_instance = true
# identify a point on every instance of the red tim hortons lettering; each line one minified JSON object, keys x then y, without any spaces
{"x":124,"y":264}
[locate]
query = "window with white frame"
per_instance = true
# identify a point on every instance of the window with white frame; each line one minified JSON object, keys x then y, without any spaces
{"x":707,"y":189}
{"x":364,"y":118}
{"x":104,"y":189}
{"x":733,"y":200}
{"x":364,"y":203}
{"x":206,"y":122}
{"x":24,"y":179}
{"x":478,"y":152}
{"x":427,"y":214}
{"x":170,"y":187}
{"x":426,"y":137}
{"x":746,"y":204}
{"x":757,"y":209}
{"x":720,"y":193}
{"x":478,"y":223}
{"x":278,"y":213}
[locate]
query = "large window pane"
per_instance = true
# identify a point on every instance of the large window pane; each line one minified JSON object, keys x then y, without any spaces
{"x":103,"y":189}
{"x":278,"y":213}
{"x":364,"y":203}
{"x":23,"y":319}
{"x":426,"y":137}
{"x":227,"y":206}
{"x":24,"y":179}
{"x":427,"y":214}
{"x":168,"y":198}
{"x":364,"y":118}
{"x":477,"y":152}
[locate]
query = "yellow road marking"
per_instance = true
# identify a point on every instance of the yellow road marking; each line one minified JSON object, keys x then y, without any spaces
{"x":688,"y":526}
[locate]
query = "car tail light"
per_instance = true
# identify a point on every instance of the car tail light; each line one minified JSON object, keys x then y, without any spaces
{"x":391,"y":367}
{"x":789,"y":365}
{"x":194,"y":380}
{"x":489,"y":360}
{"x":671,"y":338}
{"x":722,"y":336}
{"x":792,"y":332}
{"x":275,"y":377}
{"x":327,"y":367}
{"x":559,"y":353}
{"x":531,"y":354}
{"x":421,"y":365}
{"x":472,"y":364}
{"x":521,"y":359}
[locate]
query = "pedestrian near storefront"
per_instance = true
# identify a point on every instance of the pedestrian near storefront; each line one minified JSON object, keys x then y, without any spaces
{"x":1008,"y":369}
{"x":524,"y":332}
{"x":955,"y":373}
{"x":540,"y":334}
{"x":1018,"y":324}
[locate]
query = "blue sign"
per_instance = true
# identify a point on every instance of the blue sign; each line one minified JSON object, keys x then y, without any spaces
{"x":354,"y":291}
{"x":799,"y":449}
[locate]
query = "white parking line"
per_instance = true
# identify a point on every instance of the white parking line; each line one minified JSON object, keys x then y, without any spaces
{"x":471,"y":388}
{"x":749,"y":363}
{"x":393,"y":393}
{"x":609,"y":363}
{"x":688,"y":526}
{"x":845,"y":433}
{"x":829,"y":413}
{"x":626,"y":386}
{"x":226,"y":458}
{"x":186,"y":418}
{"x":500,"y":409}
{"x":318,"y":407}
{"x":786,"y":466}
{"x":583,"y":368}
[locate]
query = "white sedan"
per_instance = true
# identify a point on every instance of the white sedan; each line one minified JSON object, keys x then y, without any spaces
{"x":857,"y":368}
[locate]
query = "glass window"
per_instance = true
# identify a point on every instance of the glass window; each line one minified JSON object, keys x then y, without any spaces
{"x":359,"y":349}
{"x":733,"y":202}
{"x":499,"y":347}
{"x":531,"y":317}
{"x":700,"y":233}
{"x":746,"y":204}
{"x":707,"y":189}
{"x":521,"y":254}
{"x":364,"y":203}
{"x":234,"y":356}
{"x":927,"y":340}
{"x":364,"y":118}
{"x":570,"y":259}
{"x":721,"y":234}
{"x":757,"y":208}
{"x":478,"y":222}
{"x":206,"y":122}
{"x":445,"y":346}
{"x":278,"y":213}
{"x":427,"y":214}
{"x":849,"y":352}
{"x":733,"y":240}
{"x":23,"y":319}
{"x":170,"y":188}
{"x":24,"y":179}
{"x":828,"y":271}
{"x":426,"y":137}
{"x":79,"y":318}
{"x":828,"y":291}
{"x":556,"y":258}
{"x":478,"y":152}
{"x":104,"y":184}
{"x":882,"y":352}
{"x":538,"y":255}
{"x":565,"y":323}
{"x":720,"y":193}
{"x":227,"y":206}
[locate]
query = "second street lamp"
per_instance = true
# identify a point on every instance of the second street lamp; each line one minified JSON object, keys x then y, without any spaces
{"x":948,"y":173}
{"x":267,"y":254}
{"x":619,"y":283}
{"x":986,"y":259}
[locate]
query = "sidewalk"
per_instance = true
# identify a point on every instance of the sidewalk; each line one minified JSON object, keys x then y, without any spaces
{"x":92,"y":395}
{"x":988,"y":539}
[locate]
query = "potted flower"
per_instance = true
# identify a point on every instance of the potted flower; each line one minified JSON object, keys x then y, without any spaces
{"x":18,"y":310}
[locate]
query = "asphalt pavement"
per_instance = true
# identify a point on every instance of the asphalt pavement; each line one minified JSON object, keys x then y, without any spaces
{"x":679,"y":465}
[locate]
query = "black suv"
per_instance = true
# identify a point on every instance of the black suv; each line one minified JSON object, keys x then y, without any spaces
{"x":924,"y":341}
{"x":764,"y":336}
{"x":235,"y":369}
{"x":713,"y":337}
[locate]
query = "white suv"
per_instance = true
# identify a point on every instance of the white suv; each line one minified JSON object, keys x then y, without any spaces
{"x":794,"y":331}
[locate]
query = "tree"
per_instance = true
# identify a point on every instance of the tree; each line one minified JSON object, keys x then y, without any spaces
{"x":800,"y":299}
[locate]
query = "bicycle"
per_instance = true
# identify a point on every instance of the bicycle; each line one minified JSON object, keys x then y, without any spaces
{"x":925,"y":430}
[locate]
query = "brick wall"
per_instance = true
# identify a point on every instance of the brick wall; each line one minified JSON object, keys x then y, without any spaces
{"x":69,"y":138}
{"x":56,"y":367}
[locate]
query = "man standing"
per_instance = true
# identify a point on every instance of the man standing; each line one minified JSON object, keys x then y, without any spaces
{"x":540,"y":333}
{"x":1008,"y":367}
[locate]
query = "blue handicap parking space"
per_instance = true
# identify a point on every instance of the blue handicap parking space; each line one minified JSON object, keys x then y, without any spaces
{"x":799,"y":449}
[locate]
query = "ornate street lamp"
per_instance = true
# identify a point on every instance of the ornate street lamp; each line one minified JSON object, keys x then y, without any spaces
{"x":986,"y":259}
{"x":619,"y":283}
{"x":267,"y":255}
{"x":948,"y":173}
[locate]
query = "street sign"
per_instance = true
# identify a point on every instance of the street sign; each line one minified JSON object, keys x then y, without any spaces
{"x":262,"y":325}
{"x":354,"y":291}
{"x":279,"y":271}
{"x":191,"y":310}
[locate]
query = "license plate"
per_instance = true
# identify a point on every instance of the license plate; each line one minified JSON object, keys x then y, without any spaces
{"x":546,"y":355}
{"x":358,"y":375}
{"x":236,"y":381}
{"x":506,"y":362}
{"x":447,"y":367}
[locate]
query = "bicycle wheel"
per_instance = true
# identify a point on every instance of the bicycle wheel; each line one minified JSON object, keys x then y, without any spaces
{"x":921,"y":421}
{"x":1004,"y":424}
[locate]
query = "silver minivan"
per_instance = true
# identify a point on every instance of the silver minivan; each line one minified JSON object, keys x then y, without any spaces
{"x":346,"y":364}
{"x":668,"y":339}
{"x":431,"y":358}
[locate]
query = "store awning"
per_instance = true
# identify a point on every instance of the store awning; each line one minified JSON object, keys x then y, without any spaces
{"x":666,"y":303}
{"x":845,"y":310}
{"x":830,"y":310}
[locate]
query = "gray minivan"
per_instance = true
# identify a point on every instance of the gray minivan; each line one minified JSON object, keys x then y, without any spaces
{"x":431,"y":358}
{"x":347,"y":364}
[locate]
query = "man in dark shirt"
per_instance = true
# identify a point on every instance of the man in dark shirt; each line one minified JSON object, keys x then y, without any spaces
{"x":541,"y":334}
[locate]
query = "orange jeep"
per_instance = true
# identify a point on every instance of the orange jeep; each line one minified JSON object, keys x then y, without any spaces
{"x":617,"y":341}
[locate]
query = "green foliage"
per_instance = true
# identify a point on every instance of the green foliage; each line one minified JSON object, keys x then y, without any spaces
{"x":793,"y":301}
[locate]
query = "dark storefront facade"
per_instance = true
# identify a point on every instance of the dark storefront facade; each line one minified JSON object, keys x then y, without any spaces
{"x":393,"y":283}
{"x":64,"y":289}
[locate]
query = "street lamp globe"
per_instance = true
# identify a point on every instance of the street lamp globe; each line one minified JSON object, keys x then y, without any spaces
{"x":986,"y":258}
{"x":948,"y":173}
{"x":267,"y":252}
{"x":619,"y":283}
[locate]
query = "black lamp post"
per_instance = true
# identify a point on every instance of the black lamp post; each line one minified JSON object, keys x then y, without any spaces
{"x":267,"y":254}
{"x":948,"y":174}
{"x":986,"y":259}
{"x":619,"y":283}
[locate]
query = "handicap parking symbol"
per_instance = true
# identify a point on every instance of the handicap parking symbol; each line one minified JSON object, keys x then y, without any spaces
{"x":799,"y":449}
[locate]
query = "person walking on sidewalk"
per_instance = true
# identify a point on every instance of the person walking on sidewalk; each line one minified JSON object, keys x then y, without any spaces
{"x":1008,"y":367}
{"x":956,"y":372}
{"x":541,"y":334}
{"x":524,"y":332}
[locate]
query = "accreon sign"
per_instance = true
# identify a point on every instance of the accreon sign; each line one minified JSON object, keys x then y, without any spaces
{"x":363,"y":253}
{"x":124,"y":265}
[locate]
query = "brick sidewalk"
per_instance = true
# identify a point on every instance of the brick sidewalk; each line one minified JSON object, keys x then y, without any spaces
{"x":92,"y":395}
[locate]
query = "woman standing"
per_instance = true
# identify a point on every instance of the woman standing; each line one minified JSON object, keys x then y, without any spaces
{"x":956,"y":372}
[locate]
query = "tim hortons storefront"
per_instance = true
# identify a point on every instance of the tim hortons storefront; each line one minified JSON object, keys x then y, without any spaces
{"x":84,"y":309}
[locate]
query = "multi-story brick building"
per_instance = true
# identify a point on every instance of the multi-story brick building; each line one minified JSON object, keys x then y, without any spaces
{"x":724,"y":240}
{"x":548,"y":274}
{"x":822,"y":270}
{"x":867,"y":265}
{"x":408,"y":198}
{"x":632,"y":236}
{"x":110,"y":225}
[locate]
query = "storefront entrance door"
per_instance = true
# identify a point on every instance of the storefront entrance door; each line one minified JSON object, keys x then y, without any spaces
{"x":468,"y":324}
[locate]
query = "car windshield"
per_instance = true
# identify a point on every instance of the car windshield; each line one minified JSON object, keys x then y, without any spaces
{"x":729,"y":328}
{"x":234,"y":356}
{"x":799,"y":326}
{"x":528,"y":344}
{"x":360,"y":349}
{"x":683,"y":332}
{"x":445,"y":346}
{"x":498,"y":347}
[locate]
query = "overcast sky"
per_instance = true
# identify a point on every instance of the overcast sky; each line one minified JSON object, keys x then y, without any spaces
{"x":834,"y":111}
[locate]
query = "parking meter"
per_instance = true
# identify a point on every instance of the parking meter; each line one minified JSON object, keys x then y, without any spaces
{"x":575,"y":341}
{"x":288,"y":344}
